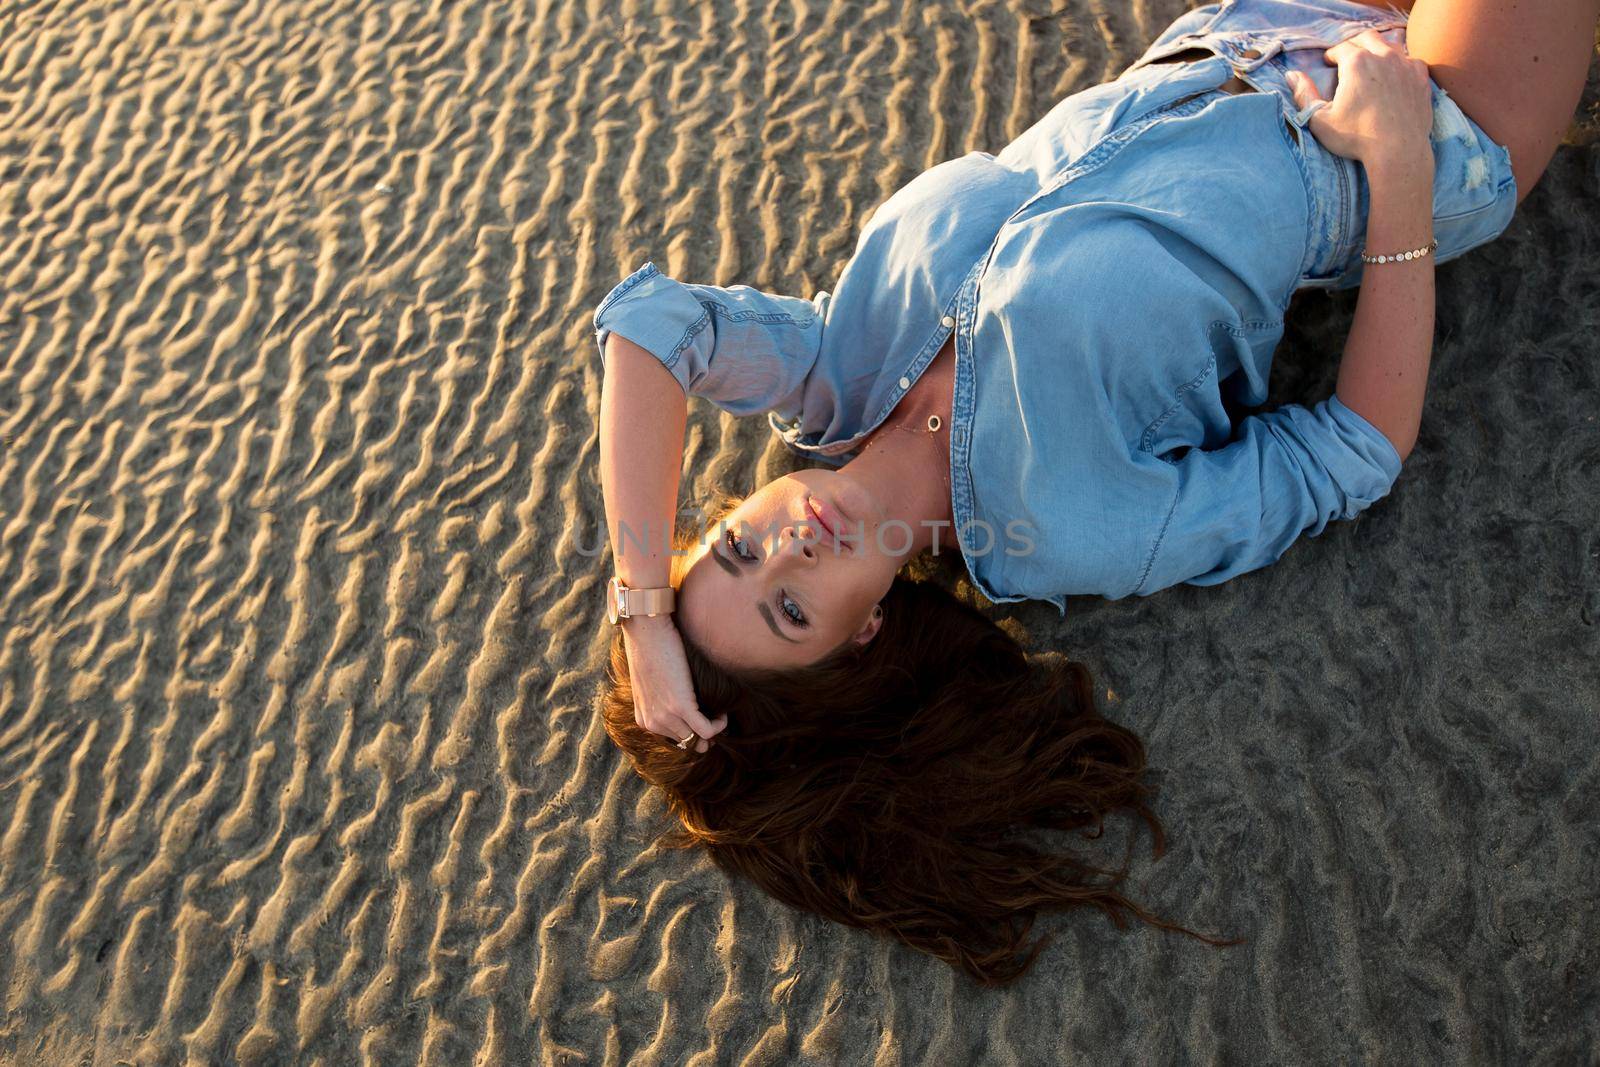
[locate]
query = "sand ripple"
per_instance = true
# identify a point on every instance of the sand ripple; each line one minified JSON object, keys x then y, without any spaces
{"x":298,"y":759}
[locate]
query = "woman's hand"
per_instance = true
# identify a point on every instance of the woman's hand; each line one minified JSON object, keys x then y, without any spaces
{"x":1382,"y":108}
{"x":663,"y":694}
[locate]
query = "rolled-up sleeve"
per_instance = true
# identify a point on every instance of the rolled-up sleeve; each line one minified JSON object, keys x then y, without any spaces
{"x":744,"y":350}
{"x":1286,"y":473}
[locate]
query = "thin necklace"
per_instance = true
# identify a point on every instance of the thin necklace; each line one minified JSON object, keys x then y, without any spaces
{"x":933,"y":425}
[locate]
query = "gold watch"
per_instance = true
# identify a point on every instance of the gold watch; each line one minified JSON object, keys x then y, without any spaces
{"x":624,"y":603}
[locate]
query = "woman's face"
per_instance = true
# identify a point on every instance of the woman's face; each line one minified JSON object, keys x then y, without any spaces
{"x":769,"y":586}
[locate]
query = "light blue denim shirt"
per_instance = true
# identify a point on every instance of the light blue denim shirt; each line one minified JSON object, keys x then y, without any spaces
{"x":1110,"y":276}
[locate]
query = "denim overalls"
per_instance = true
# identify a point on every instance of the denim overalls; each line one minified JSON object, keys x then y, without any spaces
{"x":1111,"y":277}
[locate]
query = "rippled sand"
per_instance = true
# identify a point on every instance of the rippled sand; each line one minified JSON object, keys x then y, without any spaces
{"x":298,"y":755}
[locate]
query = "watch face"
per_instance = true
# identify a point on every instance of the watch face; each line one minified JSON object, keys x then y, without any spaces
{"x":613,"y":600}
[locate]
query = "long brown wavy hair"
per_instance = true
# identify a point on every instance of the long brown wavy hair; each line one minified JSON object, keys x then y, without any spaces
{"x":886,"y":786}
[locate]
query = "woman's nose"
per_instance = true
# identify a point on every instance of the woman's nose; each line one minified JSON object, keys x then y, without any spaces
{"x":801,"y":543}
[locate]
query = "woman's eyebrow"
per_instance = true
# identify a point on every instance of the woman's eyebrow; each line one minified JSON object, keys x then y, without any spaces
{"x":766,"y":613}
{"x":725,"y":563}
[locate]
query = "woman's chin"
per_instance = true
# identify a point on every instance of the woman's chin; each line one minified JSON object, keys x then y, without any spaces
{"x":850,"y":498}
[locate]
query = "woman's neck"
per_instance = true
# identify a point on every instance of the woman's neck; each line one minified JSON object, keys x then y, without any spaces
{"x":906,"y":467}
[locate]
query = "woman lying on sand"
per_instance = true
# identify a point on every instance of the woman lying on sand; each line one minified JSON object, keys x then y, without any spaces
{"x":1031,"y":356}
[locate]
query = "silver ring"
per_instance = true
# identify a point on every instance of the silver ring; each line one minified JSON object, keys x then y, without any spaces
{"x":684,"y":743}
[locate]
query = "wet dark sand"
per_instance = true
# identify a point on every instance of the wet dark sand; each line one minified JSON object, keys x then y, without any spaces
{"x":298,"y":396}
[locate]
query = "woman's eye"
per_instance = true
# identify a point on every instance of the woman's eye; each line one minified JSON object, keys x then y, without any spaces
{"x":735,"y":545}
{"x":796,"y":616}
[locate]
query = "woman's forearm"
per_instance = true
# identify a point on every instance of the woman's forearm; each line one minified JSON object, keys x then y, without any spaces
{"x":642,"y":415}
{"x":1383,"y":375}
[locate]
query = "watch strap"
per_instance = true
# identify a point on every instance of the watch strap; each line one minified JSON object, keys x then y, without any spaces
{"x":657,"y":601}
{"x":625,"y":603}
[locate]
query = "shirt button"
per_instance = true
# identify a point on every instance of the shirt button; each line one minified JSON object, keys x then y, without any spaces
{"x":948,"y":321}
{"x":905,"y":383}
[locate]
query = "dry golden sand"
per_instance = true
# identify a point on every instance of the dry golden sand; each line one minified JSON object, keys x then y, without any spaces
{"x":298,"y":395}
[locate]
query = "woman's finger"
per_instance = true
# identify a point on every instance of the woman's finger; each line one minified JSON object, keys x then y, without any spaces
{"x":677,"y":725}
{"x":1306,"y":95}
{"x":699,"y":723}
{"x":670,"y":727}
{"x":1304,"y":89}
{"x":703,"y":735}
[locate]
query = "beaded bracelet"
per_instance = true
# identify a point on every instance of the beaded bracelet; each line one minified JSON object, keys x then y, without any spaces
{"x":1395,"y":257}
